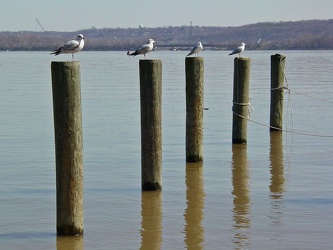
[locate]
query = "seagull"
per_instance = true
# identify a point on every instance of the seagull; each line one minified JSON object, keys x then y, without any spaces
{"x":144,"y":49}
{"x":71,"y":47}
{"x":196,"y":49}
{"x":238,"y":50}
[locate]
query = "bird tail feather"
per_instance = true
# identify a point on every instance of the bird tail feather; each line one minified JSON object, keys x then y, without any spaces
{"x":56,"y":52}
{"x":133,"y":53}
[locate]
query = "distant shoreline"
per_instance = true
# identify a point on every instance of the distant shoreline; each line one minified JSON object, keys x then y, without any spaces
{"x":300,"y":35}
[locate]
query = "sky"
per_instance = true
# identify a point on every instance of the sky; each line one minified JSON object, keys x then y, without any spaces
{"x":73,"y":15}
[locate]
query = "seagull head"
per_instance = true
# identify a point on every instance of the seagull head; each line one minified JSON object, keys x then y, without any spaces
{"x":150,"y":40}
{"x":79,"y":37}
{"x":243,"y":44}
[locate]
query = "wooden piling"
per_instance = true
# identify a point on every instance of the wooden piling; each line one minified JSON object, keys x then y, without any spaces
{"x":194,"y":71}
{"x":241,"y":100}
{"x":277,"y":91}
{"x":151,"y":124}
{"x":68,"y":147}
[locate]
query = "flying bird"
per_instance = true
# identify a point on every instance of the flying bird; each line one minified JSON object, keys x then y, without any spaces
{"x":144,"y":49}
{"x":71,"y":47}
{"x":196,"y":49}
{"x":238,"y":50}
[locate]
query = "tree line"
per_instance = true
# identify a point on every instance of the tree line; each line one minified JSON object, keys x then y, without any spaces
{"x":303,"y":35}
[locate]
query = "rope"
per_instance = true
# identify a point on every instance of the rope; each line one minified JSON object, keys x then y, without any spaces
{"x":284,"y":130}
{"x":313,"y":97}
{"x":281,"y":88}
{"x":250,"y":108}
{"x":300,"y":93}
{"x":242,"y":104}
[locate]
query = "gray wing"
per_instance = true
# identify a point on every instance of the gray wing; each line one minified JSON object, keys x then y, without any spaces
{"x":193,"y":50}
{"x":144,"y":49}
{"x":70,"y":46}
{"x":236,"y":51}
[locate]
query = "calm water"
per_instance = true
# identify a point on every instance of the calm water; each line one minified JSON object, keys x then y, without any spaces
{"x":274,"y":193}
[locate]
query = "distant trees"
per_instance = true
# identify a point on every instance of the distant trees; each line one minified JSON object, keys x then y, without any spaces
{"x":312,"y":34}
{"x":30,"y":41}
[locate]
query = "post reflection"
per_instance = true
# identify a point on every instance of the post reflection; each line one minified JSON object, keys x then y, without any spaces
{"x":70,"y":242}
{"x":151,"y":225}
{"x":277,"y":175}
{"x":241,"y":193}
{"x":194,"y":212}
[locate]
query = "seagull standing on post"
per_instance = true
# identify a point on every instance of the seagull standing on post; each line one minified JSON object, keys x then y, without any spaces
{"x":144,"y":49}
{"x":71,"y":47}
{"x":196,"y":49}
{"x":238,"y":50}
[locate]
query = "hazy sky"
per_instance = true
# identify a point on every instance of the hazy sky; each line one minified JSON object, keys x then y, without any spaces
{"x":72,"y":15}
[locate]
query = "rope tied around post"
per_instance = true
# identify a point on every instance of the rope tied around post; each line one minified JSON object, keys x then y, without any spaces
{"x":281,"y":88}
{"x":250,"y":107}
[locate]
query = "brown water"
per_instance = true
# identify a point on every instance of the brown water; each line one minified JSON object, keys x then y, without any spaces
{"x":273,"y":193}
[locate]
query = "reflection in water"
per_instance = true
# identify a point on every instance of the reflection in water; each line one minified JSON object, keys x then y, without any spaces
{"x":151,"y":226}
{"x":277,"y":175}
{"x":240,"y":179}
{"x":195,"y":196}
{"x":70,"y":242}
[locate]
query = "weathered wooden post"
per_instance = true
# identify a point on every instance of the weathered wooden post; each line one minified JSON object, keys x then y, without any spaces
{"x":194,"y":71}
{"x":68,"y":146}
{"x":151,"y":124}
{"x":277,"y":91}
{"x":241,"y":100}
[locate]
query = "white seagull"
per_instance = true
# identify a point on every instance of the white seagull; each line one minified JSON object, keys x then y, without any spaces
{"x":144,"y":49}
{"x":196,"y":49}
{"x":71,"y":47}
{"x":238,"y":50}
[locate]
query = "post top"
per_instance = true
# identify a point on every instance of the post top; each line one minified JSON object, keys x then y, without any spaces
{"x":242,"y":59}
{"x":65,"y":62}
{"x":278,"y":56}
{"x":149,"y":60}
{"x":194,"y":58}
